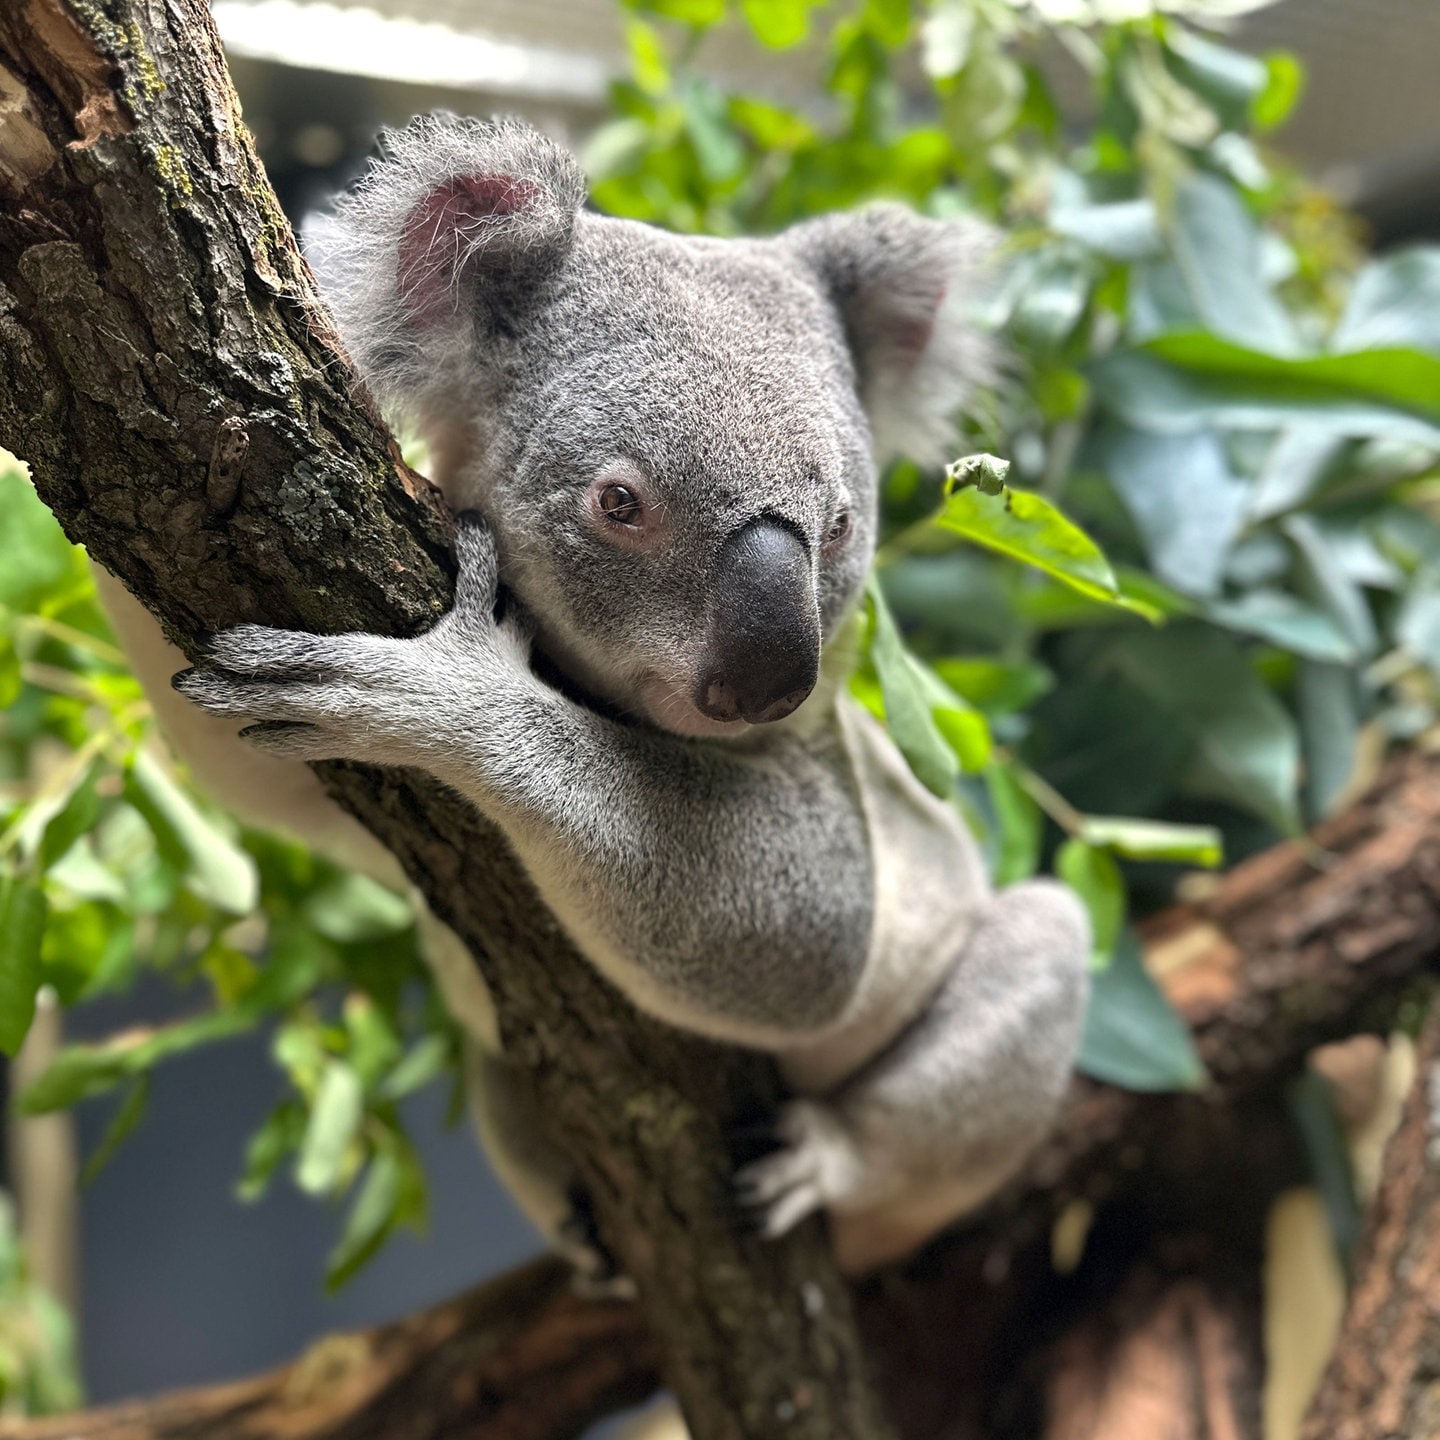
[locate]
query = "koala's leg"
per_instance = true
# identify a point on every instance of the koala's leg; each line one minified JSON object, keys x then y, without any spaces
{"x":934,"y":1124}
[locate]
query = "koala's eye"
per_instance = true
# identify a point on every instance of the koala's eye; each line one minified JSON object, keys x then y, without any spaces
{"x":839,"y":531}
{"x":620,"y":504}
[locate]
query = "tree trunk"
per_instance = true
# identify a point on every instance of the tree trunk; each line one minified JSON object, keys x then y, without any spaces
{"x":176,"y":388}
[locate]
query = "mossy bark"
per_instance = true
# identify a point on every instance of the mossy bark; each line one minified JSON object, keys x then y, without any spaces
{"x":179,"y":395}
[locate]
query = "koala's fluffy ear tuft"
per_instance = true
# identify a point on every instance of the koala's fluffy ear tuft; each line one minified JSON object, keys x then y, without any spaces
{"x":450,"y":230}
{"x":904,"y":285}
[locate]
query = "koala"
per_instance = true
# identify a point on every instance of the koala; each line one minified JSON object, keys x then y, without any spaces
{"x":663,"y":451}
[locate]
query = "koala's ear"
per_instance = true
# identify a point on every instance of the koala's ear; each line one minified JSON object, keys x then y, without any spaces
{"x":903,"y":286}
{"x":445,"y":236}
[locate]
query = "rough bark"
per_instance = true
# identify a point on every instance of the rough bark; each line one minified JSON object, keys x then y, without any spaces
{"x":522,"y":1358}
{"x":167,"y":373}
{"x":1384,"y":1380}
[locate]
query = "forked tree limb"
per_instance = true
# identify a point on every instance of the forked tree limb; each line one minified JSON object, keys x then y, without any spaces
{"x":1301,"y":945}
{"x":167,"y":372}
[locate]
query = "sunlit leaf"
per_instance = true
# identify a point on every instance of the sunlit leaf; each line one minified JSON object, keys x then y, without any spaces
{"x":1154,"y":839}
{"x":334,"y":1119}
{"x":1027,"y":527}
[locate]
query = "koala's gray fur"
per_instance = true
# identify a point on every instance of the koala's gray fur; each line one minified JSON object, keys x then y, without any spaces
{"x":787,"y":884}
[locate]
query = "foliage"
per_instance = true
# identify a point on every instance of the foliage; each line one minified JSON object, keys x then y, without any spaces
{"x":1207,"y":585}
{"x":37,"y":1340}
{"x":111,"y":866}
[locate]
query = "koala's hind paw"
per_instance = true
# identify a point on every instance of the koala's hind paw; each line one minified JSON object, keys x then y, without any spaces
{"x":815,"y":1165}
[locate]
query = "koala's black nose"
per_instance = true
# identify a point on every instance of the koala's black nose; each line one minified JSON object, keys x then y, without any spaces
{"x":762,"y":653}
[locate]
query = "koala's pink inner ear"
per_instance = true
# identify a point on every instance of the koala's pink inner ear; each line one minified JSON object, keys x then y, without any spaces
{"x":907,"y":329}
{"x":447,"y":230}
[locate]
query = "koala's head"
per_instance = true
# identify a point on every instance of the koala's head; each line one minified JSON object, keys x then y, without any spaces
{"x":674,"y":439}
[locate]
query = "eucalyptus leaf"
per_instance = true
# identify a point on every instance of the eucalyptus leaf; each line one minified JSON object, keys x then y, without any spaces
{"x":1244,"y":746}
{"x":22,"y":929}
{"x":1027,"y":527}
{"x":1280,"y":618}
{"x":907,"y":702}
{"x":1154,"y":839}
{"x":1091,"y":872}
{"x":1217,"y":247}
{"x":1395,"y":302}
{"x":1186,"y":501}
{"x":216,"y":868}
{"x":1133,"y":1037}
{"x":1141,"y":388}
{"x":334,"y":1120}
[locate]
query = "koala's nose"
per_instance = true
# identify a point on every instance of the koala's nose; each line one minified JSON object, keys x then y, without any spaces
{"x":762,"y":654}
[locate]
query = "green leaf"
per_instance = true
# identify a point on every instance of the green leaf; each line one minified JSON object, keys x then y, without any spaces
{"x":1019,"y":826}
{"x":1405,"y":378}
{"x":1243,"y":745}
{"x":1395,"y":302}
{"x":1126,"y":230}
{"x":22,"y":929}
{"x":778,"y":24}
{"x":10,"y":680}
{"x":1027,"y":527}
{"x":1217,"y":247}
{"x":334,"y":1120}
{"x":77,"y":1072}
{"x":281,"y":1133}
{"x":1186,"y":501}
{"x":118,"y":1131}
{"x":428,"y":1059}
{"x":369,"y":1222}
{"x":1093,"y":875}
{"x":1133,"y":1037}
{"x":1328,"y":705}
{"x":1280,"y":618}
{"x":1150,"y":394}
{"x":215,"y":868}
{"x":908,"y":711}
{"x":997,"y":687}
{"x":1284,"y":84}
{"x":1154,"y":840}
{"x":352,"y":907}
{"x":75,"y":817}
{"x":1312,"y":1103}
{"x":38,"y":557}
{"x":702,"y":13}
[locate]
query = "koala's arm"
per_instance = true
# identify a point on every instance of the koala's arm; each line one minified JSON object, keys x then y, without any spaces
{"x":729,"y":893}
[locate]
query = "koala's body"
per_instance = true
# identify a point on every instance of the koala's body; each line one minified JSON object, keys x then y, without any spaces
{"x":673,"y":445}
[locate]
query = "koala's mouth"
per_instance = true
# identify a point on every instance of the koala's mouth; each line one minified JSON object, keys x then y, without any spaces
{"x":671,"y":708}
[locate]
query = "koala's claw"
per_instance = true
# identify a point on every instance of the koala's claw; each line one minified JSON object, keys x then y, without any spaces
{"x":814,"y":1166}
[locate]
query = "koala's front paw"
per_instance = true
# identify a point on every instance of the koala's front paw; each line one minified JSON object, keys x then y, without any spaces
{"x":364,"y":697}
{"x":815,"y":1165}
{"x":311,"y":697}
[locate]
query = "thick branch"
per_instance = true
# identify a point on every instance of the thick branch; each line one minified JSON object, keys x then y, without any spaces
{"x":522,"y":1358}
{"x":1384,"y":1381}
{"x":167,"y":373}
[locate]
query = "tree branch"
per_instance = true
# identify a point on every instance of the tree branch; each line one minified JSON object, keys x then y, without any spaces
{"x":522,"y":1358}
{"x":1384,"y":1376}
{"x":173,"y":383}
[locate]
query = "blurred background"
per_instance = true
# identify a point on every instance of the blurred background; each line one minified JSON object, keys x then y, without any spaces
{"x":160,"y":1236}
